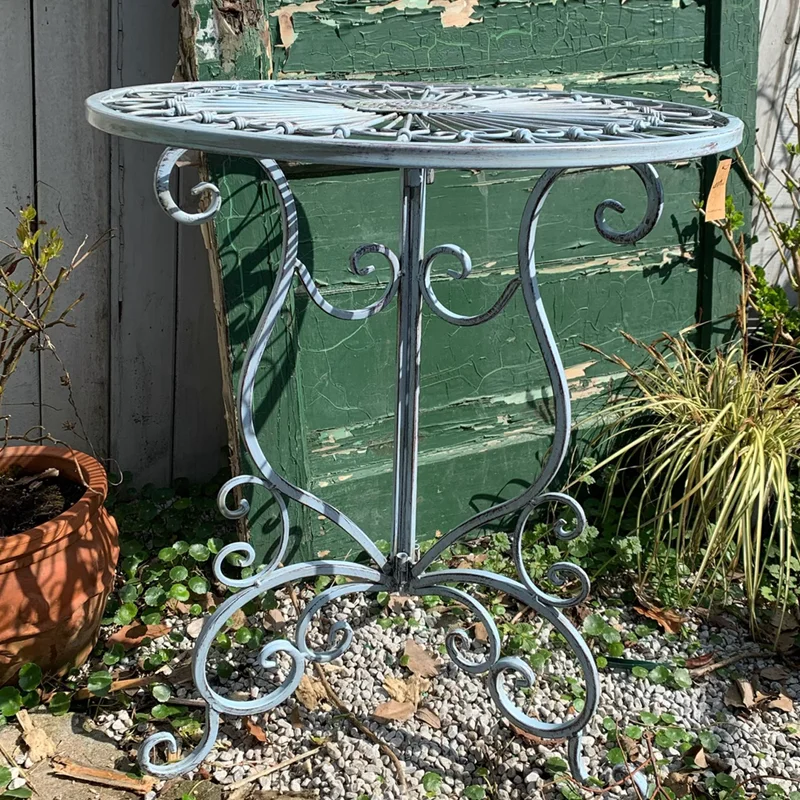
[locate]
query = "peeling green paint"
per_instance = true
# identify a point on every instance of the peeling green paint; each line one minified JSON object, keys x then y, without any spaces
{"x":325,"y":394}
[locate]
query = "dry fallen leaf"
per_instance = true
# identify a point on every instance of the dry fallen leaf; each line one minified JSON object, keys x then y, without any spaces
{"x":406,"y":691}
{"x":630,"y":747}
{"x":776,"y":673}
{"x":469,"y":560}
{"x":420,"y":661}
{"x":178,"y":607}
{"x":237,"y":620}
{"x":740,"y":694}
{"x":397,"y":603}
{"x":274,"y":620}
{"x":40,"y":745}
{"x":670,"y":621}
{"x":698,"y":755}
{"x":429,"y":718}
{"x":392,"y":711}
{"x":310,"y":692}
{"x":194,"y":627}
{"x":256,"y":731}
{"x":131,"y":636}
{"x":784,"y":621}
{"x":481,"y":634}
{"x":680,"y":783}
{"x":534,"y":739}
{"x":782,"y":703}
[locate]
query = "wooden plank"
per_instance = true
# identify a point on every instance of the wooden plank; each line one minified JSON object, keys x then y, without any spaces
{"x":71,"y":54}
{"x":416,"y":41}
{"x":145,"y":264}
{"x":17,"y":185}
{"x":199,"y":437}
{"x":324,"y":402}
{"x":733,"y":52}
{"x":778,"y":83}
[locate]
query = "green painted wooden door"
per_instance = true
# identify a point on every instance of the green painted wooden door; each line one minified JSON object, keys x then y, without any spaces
{"x":325,"y":405}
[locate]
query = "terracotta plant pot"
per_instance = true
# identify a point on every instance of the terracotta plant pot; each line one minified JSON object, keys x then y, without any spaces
{"x":55,"y":578}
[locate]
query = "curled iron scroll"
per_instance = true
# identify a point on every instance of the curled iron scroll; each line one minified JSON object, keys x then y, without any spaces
{"x":355,"y":267}
{"x":167,"y":162}
{"x":366,"y":579}
{"x":652,"y":214}
{"x":466,"y":268}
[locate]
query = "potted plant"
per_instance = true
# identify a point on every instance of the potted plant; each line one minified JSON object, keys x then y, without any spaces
{"x":58,"y":545}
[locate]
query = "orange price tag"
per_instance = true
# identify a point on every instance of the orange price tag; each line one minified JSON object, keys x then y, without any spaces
{"x":715,"y":203}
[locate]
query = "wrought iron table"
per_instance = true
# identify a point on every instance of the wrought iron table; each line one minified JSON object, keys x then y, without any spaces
{"x":415,"y":128}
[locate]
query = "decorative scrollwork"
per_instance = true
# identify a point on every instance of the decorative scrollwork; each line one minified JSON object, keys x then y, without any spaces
{"x":367,"y":579}
{"x":272,"y":480}
{"x":559,"y":573}
{"x":172,"y":769}
{"x":167,"y":162}
{"x":652,"y":214}
{"x":356,"y":313}
{"x":555,"y":372}
{"x":458,"y":640}
{"x":544,"y":336}
{"x":560,"y":531}
{"x":466,"y":268}
{"x":243,"y":548}
{"x":435,"y":582}
{"x":340,"y":634}
{"x":400,"y":573}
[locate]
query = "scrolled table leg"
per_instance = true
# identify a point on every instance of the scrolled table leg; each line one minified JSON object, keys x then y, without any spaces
{"x":524,"y":590}
{"x":410,"y":280}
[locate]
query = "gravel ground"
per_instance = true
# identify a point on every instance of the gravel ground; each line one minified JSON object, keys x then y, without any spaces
{"x":474,"y":745}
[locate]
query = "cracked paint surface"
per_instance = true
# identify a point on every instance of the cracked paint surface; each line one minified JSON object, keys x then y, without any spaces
{"x":325,"y":394}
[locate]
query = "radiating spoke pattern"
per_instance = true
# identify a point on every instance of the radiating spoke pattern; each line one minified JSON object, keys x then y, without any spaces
{"x":413,"y":112}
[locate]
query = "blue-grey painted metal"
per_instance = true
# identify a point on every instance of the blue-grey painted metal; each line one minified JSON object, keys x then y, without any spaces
{"x":412,"y":125}
{"x":415,"y":127}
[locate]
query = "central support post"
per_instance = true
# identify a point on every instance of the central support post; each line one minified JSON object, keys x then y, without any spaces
{"x":409,"y":336}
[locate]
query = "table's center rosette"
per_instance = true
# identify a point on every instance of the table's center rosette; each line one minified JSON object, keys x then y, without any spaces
{"x":412,"y":106}
{"x":378,"y":123}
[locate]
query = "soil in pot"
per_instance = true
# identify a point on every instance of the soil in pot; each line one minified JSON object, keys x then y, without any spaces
{"x":30,"y":500}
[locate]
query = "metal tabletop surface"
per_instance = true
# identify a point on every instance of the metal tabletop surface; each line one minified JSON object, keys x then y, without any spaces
{"x":382,"y":124}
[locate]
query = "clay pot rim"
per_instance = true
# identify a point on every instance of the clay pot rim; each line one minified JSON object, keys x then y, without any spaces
{"x":74,"y":465}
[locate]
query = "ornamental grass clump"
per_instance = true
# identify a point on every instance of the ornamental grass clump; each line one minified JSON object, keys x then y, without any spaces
{"x":703,"y":449}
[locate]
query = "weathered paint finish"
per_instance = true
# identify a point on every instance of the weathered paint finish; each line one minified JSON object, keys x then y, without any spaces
{"x":327,"y":421}
{"x":733,"y":52}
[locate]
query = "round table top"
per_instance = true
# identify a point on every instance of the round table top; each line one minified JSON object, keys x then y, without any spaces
{"x":380,"y":124}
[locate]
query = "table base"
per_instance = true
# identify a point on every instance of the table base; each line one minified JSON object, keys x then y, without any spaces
{"x":404,"y":570}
